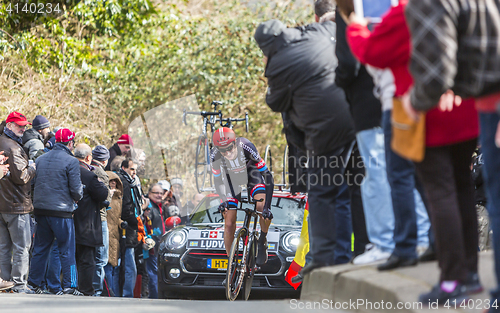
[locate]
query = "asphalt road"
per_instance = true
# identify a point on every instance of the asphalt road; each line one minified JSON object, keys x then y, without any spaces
{"x":72,"y":304}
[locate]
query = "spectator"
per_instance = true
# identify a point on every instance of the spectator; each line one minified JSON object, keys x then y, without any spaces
{"x":445,"y":171}
{"x":155,"y":229}
{"x":100,"y":156}
{"x":34,"y":138}
{"x":116,"y":164}
{"x":300,"y":72}
{"x":88,"y":225}
{"x":15,"y":205}
{"x":114,"y":220}
{"x":130,"y":211}
{"x":411,"y":219}
{"x":177,"y":186}
{"x":121,"y":147}
{"x":192,"y":204}
{"x":57,"y":187}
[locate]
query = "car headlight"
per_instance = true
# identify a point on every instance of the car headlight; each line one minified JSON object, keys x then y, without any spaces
{"x":175,"y":239}
{"x":290,"y":241}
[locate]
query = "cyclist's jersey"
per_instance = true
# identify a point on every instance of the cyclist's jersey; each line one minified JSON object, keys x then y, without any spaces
{"x":248,"y":168}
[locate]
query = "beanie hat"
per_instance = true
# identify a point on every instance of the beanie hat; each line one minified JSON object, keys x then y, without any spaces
{"x":176,"y":181}
{"x":100,"y":153}
{"x":40,"y":122}
{"x":125,"y":140}
{"x":266,"y":33}
{"x":64,"y":135}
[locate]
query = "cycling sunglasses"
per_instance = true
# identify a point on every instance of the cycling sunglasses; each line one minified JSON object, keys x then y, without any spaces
{"x":227,"y":149}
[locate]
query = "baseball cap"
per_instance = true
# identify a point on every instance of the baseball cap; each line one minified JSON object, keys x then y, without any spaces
{"x":64,"y":135}
{"x":165,"y":185}
{"x":18,"y":118}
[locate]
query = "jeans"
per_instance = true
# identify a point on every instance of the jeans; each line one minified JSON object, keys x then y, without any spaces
{"x":113,"y":277}
{"x":406,"y":200}
{"x":491,"y":172}
{"x":62,"y":229}
{"x":375,"y":189}
{"x":15,"y":242}
{"x":53,"y":273}
{"x":101,"y":259}
{"x":152,"y":268}
{"x":130,"y":273}
{"x":343,"y":225}
{"x":321,"y":184}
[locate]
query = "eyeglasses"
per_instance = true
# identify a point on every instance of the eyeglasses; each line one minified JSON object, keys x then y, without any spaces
{"x":227,"y":149}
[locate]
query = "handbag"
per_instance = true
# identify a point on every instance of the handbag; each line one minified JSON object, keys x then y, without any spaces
{"x":408,"y":136}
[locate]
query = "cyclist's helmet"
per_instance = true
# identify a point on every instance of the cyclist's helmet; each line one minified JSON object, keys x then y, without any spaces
{"x":223,"y":137}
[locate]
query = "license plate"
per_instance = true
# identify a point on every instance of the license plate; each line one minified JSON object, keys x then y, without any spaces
{"x":216,"y":263}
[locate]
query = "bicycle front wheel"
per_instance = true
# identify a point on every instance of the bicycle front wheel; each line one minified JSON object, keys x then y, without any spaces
{"x":236,"y":266}
{"x":250,"y":268}
{"x":201,"y":163}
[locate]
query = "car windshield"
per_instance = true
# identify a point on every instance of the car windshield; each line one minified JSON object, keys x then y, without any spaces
{"x":286,"y":211}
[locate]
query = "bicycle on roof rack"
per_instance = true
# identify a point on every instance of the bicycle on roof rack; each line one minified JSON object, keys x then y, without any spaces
{"x":202,"y":172}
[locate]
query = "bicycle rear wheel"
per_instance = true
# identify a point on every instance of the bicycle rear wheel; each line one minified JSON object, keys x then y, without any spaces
{"x":250,"y":272}
{"x":201,"y":163}
{"x":236,"y":266}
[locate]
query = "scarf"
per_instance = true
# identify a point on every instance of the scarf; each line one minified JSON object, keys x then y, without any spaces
{"x":12,"y":136}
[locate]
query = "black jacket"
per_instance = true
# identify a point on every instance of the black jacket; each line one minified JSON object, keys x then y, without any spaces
{"x":88,"y":227}
{"x":358,"y":85}
{"x":130,"y":210}
{"x":301,"y":77}
{"x":113,"y":152}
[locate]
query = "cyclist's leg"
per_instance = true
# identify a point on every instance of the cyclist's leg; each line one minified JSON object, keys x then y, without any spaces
{"x":229,"y":228}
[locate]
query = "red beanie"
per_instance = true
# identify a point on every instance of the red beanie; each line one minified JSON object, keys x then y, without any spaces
{"x":125,"y":140}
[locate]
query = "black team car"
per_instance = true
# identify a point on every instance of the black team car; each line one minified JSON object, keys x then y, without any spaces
{"x":192,"y":260}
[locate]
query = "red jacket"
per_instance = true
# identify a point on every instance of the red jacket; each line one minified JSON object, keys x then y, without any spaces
{"x":388,"y":46}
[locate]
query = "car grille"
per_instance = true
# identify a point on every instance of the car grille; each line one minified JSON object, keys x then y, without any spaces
{"x":195,"y":261}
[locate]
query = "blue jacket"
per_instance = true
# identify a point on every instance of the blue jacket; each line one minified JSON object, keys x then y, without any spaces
{"x":57,"y":183}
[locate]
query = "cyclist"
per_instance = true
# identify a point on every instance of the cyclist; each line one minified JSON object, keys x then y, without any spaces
{"x":236,"y":162}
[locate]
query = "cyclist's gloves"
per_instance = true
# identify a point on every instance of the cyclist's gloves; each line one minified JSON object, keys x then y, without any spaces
{"x":230,"y":203}
{"x":266,"y":213}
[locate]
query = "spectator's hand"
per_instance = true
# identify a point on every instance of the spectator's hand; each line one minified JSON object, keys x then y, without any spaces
{"x":355,"y":19}
{"x":3,"y":158}
{"x":148,"y":244}
{"x":145,"y":203}
{"x":497,"y":136}
{"x":448,"y":101}
{"x":266,"y":214}
{"x":410,"y":111}
{"x":4,"y":169}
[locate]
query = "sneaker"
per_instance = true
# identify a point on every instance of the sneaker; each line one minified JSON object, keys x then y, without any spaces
{"x":261,"y":252}
{"x":441,"y":296}
{"x":59,"y":293}
{"x":6,"y":284}
{"x":23,"y":289}
{"x":473,"y":285}
{"x":372,"y":255}
{"x":72,"y":291}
